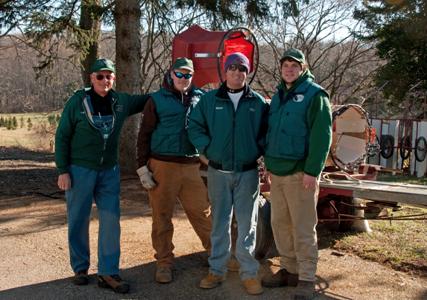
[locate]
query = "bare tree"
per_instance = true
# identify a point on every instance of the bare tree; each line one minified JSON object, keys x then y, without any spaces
{"x":324,"y":30}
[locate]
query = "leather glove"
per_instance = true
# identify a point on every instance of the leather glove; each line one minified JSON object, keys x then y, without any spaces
{"x":146,"y":178}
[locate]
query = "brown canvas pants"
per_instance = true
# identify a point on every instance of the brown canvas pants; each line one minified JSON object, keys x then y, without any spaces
{"x":293,"y":220}
{"x":183,"y":182}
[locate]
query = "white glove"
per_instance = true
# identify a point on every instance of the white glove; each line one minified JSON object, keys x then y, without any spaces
{"x":146,"y":178}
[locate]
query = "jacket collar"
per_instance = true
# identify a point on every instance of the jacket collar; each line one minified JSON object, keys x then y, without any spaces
{"x":112,"y":92}
{"x":305,"y":76}
{"x":223,"y":94}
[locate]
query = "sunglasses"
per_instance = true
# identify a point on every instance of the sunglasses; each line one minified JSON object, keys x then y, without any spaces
{"x":235,"y":67}
{"x":101,"y":77}
{"x":182,"y":75}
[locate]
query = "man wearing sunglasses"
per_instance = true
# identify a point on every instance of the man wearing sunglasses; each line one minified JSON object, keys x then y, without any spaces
{"x":86,"y":147}
{"x":228,"y":128}
{"x":169,"y":164}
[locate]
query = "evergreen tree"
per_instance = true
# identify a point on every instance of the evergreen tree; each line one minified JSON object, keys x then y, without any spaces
{"x":9,"y":123}
{"x":29,"y":124}
{"x":398,"y":28}
{"x":51,"y":119}
{"x":14,"y":123}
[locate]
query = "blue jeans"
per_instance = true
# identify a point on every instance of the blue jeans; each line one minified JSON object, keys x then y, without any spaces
{"x":236,"y":191}
{"x":103,"y":187}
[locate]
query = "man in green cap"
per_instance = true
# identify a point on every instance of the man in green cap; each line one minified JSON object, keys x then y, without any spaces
{"x":86,"y":151}
{"x":169,"y":164}
{"x":298,"y":141}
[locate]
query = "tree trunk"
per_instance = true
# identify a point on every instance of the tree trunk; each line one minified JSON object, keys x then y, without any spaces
{"x":90,"y":21}
{"x":128,"y":57}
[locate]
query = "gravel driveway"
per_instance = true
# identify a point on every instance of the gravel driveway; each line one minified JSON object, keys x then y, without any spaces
{"x":34,"y":260}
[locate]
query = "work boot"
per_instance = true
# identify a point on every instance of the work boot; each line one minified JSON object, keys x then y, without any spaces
{"x":113,"y":282}
{"x":163,"y":274}
{"x":253,"y":286}
{"x":81,"y":278}
{"x":280,"y":278}
{"x":305,"y":290}
{"x":233,"y":265}
{"x":211,"y":281}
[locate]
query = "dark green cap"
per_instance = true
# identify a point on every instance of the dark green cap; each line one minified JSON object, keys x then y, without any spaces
{"x":103,"y":64}
{"x":183,"y":63}
{"x":294,"y":54}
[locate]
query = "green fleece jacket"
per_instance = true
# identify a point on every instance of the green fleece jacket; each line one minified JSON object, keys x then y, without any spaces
{"x":318,"y":120}
{"x":232,"y":138}
{"x":78,"y":142}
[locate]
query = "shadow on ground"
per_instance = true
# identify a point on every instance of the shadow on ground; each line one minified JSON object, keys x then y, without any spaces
{"x":16,"y":153}
{"x":188,"y":271}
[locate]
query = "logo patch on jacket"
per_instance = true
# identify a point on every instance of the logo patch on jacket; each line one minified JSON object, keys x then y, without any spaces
{"x":119,"y":108}
{"x":298,"y":98}
{"x":219,"y":107}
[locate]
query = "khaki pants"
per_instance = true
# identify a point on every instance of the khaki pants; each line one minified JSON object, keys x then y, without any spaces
{"x":294,"y":219}
{"x":183,"y":182}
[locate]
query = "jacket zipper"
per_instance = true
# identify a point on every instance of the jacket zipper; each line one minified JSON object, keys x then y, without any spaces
{"x":234,"y":131}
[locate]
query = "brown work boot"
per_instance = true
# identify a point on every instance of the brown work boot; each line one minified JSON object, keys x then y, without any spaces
{"x":163,"y":274}
{"x":305,"y":290}
{"x":253,"y":286}
{"x":233,"y":265}
{"x":113,"y":282}
{"x":81,"y":278}
{"x":211,"y":281}
{"x":280,"y":278}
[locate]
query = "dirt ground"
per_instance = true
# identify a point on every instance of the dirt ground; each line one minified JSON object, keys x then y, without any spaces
{"x":34,"y":261}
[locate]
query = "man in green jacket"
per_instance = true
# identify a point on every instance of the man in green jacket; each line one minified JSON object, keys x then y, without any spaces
{"x":228,"y":128}
{"x":86,"y":155}
{"x":169,"y":164}
{"x":298,"y":141}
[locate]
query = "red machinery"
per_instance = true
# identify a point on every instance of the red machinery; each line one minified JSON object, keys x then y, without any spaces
{"x":208,"y":50}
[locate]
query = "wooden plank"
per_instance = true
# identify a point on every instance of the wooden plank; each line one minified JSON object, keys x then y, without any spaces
{"x":382,"y":191}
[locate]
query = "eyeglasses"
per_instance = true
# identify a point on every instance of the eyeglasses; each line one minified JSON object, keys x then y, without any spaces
{"x":235,"y":67}
{"x":101,"y":77}
{"x":181,"y":75}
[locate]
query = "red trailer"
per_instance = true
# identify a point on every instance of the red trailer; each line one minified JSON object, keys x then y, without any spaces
{"x":208,"y":50}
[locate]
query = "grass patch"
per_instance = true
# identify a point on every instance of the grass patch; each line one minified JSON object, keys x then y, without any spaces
{"x":400,"y":244}
{"x":33,"y":131}
{"x":402,"y":178}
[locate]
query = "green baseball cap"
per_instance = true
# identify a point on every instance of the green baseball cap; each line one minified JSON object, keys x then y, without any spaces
{"x":183,"y":63}
{"x":294,"y":54}
{"x":103,"y":64}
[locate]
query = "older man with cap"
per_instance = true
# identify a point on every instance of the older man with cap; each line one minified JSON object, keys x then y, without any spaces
{"x":298,"y":141}
{"x":228,"y":128}
{"x":86,"y":157}
{"x":169,"y":164}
